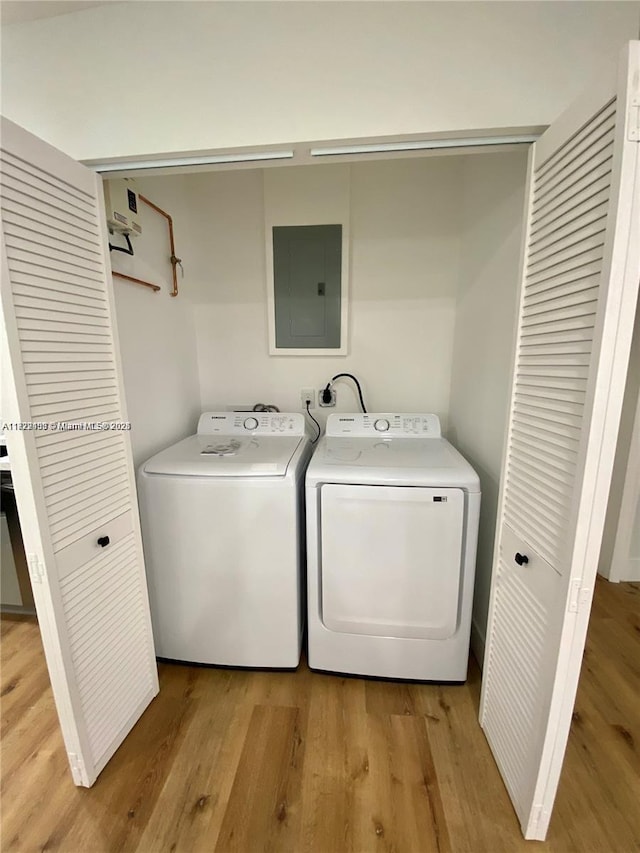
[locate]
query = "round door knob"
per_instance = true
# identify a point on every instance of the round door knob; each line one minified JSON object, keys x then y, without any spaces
{"x":103,"y":541}
{"x":251,"y":423}
{"x":382,"y":425}
{"x":521,"y":559}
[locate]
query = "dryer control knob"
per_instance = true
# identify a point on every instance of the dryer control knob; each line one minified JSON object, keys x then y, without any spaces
{"x":251,"y":423}
{"x":382,"y":425}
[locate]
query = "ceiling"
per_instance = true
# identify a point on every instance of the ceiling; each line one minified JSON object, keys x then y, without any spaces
{"x":20,"y":11}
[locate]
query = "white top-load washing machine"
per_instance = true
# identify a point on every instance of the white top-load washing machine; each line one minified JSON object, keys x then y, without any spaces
{"x":223,"y":532}
{"x":392,"y":525}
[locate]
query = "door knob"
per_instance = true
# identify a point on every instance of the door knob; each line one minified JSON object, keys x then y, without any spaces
{"x":521,"y":559}
{"x":103,"y":541}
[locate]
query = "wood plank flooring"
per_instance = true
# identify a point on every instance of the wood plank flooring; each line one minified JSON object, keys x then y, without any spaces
{"x":228,"y":761}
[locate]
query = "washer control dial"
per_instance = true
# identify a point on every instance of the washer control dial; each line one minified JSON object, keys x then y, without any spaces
{"x":382,"y":425}
{"x":251,"y":423}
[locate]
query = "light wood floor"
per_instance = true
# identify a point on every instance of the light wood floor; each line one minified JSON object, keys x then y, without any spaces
{"x":240,"y":761}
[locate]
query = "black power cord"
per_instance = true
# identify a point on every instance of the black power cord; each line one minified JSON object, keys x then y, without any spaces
{"x":326,"y":392}
{"x":313,"y":440}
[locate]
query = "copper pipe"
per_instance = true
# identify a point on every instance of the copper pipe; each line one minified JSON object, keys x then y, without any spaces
{"x":136,"y":280}
{"x":173,"y":259}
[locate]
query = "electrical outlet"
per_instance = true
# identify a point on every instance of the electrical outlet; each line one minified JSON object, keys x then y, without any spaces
{"x":308,"y":394}
{"x":324,"y":405}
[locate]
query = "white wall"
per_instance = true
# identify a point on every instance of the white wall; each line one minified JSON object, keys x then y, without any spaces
{"x":157,"y":338}
{"x":489,"y":278}
{"x":626,"y":540}
{"x":405,"y":245}
{"x":142,"y":77}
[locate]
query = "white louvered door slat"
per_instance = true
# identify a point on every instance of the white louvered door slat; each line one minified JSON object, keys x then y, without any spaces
{"x":581,"y":267}
{"x":74,"y":481}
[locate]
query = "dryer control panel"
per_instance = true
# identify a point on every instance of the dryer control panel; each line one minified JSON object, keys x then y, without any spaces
{"x":384,"y":424}
{"x":251,"y":423}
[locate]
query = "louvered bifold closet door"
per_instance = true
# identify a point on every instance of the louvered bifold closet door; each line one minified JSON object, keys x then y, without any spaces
{"x":580,"y":280}
{"x":558,"y":314}
{"x":73,"y":469}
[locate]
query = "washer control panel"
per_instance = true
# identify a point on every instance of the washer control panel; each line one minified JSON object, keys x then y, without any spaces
{"x":251,"y":423}
{"x":383,"y":424}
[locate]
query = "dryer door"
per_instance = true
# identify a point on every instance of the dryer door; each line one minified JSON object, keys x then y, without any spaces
{"x":391,"y":560}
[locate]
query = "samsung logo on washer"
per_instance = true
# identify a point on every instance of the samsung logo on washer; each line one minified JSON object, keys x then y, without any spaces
{"x":347,"y":420}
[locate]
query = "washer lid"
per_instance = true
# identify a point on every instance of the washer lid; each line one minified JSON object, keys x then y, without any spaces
{"x":225,"y":456}
{"x":397,"y":461}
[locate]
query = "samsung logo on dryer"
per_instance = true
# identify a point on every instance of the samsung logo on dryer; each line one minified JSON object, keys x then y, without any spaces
{"x":347,"y":420}
{"x":218,"y":417}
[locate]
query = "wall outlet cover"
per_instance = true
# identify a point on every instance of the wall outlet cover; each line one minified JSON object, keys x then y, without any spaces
{"x":308,"y":394}
{"x":323,"y":405}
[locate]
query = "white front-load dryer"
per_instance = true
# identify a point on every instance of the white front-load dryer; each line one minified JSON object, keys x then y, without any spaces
{"x":392,"y":525}
{"x":223,"y":532}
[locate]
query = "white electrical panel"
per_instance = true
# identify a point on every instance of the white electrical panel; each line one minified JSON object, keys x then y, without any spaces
{"x":122,"y":204}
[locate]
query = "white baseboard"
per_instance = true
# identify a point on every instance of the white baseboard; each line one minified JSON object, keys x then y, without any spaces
{"x":628,"y":571}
